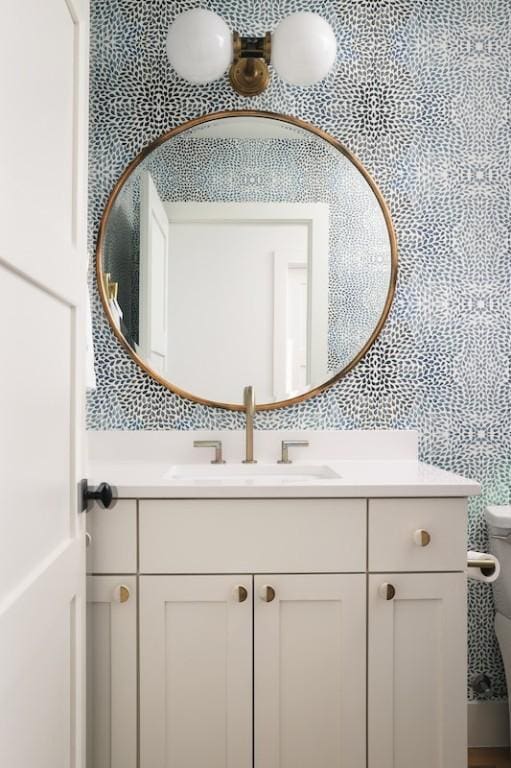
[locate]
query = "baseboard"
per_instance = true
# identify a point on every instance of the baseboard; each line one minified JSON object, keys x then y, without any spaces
{"x":488,"y":724}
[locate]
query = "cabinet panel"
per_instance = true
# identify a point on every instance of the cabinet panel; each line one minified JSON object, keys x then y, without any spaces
{"x":395,"y":543}
{"x":417,"y":672}
{"x":253,"y":536}
{"x":195,"y":672}
{"x":111,"y":672}
{"x":113,"y":538}
{"x":310,"y":671}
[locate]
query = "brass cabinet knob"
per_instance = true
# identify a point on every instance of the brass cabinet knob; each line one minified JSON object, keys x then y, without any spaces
{"x":267,"y":593}
{"x":88,"y":539}
{"x":240,"y":593}
{"x":122,"y":593}
{"x":422,"y":538}
{"x":387,"y":591}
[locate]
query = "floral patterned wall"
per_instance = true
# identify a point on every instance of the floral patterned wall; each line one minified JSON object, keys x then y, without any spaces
{"x":420,"y":92}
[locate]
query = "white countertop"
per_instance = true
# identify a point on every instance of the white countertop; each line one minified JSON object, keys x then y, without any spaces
{"x":357,"y":479}
{"x":369,"y":463}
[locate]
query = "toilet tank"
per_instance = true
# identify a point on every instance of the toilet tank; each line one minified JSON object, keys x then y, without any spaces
{"x":499,"y":529}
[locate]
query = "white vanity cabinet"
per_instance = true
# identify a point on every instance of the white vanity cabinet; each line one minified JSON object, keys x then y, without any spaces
{"x":310,"y":671}
{"x":111,"y":672}
{"x":112,"y":636}
{"x":277,"y":661}
{"x":417,"y":709}
{"x":196,"y":671}
{"x":282,"y":633}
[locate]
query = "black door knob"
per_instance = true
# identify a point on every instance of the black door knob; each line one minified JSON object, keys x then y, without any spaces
{"x":103,"y":494}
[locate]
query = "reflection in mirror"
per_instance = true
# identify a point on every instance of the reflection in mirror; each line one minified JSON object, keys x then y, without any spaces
{"x":247,"y":250}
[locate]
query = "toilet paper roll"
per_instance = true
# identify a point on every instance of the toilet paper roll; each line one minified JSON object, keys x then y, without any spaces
{"x":475,"y":573}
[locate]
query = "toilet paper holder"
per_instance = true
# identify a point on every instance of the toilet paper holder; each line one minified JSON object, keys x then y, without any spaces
{"x":487,"y":566}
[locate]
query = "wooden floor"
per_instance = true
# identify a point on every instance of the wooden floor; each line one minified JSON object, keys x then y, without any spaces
{"x":489,"y":758}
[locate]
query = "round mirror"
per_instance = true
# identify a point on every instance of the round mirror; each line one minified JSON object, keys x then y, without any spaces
{"x":246,"y":248}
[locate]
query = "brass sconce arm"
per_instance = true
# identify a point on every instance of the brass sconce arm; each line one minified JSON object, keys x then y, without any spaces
{"x":249,"y":73}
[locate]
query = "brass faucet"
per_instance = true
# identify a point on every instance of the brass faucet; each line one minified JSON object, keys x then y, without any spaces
{"x":249,"y":403}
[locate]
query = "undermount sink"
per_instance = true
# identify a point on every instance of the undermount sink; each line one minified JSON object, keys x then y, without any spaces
{"x":252,"y":473}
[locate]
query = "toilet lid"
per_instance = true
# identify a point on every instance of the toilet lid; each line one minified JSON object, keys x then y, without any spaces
{"x":499,"y":516}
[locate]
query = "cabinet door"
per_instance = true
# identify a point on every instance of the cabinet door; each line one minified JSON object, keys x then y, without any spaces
{"x":417,"y":671}
{"x":111,"y":672}
{"x":196,"y":671}
{"x":310,"y":671}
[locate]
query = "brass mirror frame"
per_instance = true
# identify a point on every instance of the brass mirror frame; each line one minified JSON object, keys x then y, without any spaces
{"x":220,"y":116}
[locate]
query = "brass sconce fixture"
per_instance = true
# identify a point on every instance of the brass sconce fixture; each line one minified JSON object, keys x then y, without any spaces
{"x":249,"y":73}
{"x":201,"y":48}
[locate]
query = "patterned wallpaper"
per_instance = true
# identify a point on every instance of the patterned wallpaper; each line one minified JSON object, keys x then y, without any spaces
{"x":420,"y":93}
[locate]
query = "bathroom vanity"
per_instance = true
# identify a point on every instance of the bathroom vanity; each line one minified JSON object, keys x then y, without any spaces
{"x":243,"y":620}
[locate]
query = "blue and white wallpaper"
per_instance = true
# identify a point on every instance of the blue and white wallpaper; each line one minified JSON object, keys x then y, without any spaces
{"x":420,"y":93}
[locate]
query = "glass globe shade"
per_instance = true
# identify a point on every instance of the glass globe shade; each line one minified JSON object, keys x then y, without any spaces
{"x":199,"y":46}
{"x":303,"y":48}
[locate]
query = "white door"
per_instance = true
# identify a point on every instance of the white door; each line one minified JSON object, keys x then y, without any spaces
{"x":111,"y":672}
{"x":310,"y":671}
{"x":196,"y":671}
{"x":43,"y":129}
{"x":417,"y":671}
{"x":154,"y":257}
{"x":255,"y":244}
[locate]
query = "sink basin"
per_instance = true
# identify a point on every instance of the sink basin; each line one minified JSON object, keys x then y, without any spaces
{"x":248,"y":474}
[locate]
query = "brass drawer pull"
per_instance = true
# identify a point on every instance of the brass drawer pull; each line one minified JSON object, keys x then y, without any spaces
{"x":122,"y":593}
{"x":422,"y":538}
{"x":387,"y":591}
{"x":241,"y":593}
{"x":267,"y":593}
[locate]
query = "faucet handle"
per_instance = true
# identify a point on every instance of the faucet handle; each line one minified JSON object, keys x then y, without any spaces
{"x":216,"y":444}
{"x":286,"y":445}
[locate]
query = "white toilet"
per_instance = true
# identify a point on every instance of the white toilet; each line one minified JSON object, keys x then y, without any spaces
{"x":499,"y":525}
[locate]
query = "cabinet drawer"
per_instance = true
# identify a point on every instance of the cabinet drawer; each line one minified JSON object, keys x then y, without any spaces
{"x":396,"y":543}
{"x":252,"y":536}
{"x":112,"y":546}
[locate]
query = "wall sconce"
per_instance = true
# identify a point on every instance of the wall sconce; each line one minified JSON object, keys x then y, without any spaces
{"x":201,"y":48}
